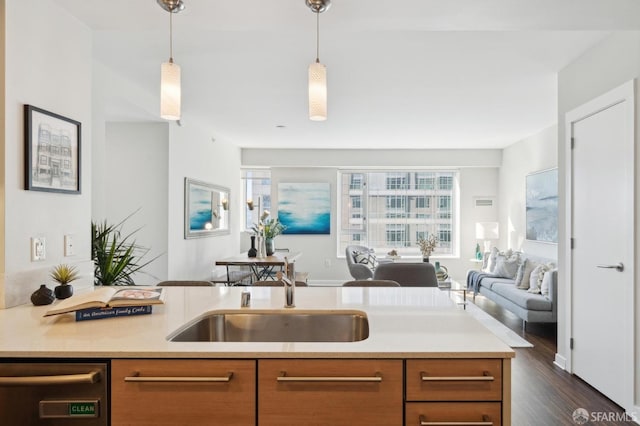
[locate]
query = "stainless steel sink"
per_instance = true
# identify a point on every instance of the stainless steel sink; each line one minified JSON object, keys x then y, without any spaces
{"x":275,"y":326}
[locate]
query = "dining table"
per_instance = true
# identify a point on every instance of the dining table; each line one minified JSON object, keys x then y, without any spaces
{"x":262,"y":268}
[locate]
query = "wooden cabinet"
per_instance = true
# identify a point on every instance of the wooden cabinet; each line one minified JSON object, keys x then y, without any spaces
{"x":337,"y":392}
{"x":330,"y":392}
{"x":183,"y":392}
{"x":457,"y":391}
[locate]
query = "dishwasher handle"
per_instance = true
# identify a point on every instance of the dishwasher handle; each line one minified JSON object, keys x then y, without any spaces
{"x":62,"y":379}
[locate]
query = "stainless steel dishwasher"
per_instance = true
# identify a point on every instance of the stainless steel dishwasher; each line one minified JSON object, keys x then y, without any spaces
{"x":53,"y":393}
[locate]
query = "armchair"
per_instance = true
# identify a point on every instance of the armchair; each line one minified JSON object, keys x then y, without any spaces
{"x":360,"y":270}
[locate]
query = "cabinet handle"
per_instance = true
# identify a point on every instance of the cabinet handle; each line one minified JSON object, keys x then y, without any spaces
{"x":486,"y":421}
{"x":189,"y":379}
{"x":284,"y":378}
{"x":484,"y":378}
{"x":62,"y":379}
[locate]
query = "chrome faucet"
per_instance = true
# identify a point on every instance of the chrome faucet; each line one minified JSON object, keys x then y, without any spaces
{"x":289,"y":290}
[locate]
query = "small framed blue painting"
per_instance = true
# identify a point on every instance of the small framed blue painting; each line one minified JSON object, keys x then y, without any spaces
{"x":206,"y":209}
{"x":305,"y":208}
{"x":542,"y":206}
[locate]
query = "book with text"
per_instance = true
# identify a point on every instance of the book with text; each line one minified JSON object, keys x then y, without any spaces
{"x":110,"y":297}
{"x":122,"y":311}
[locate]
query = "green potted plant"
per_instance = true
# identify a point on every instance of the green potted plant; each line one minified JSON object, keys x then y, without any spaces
{"x":63,"y":274}
{"x":116,"y":255}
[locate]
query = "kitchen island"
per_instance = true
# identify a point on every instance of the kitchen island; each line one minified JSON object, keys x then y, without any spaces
{"x":433,"y":356}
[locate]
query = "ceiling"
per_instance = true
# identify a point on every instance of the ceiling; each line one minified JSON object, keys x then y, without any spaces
{"x":401,"y":74}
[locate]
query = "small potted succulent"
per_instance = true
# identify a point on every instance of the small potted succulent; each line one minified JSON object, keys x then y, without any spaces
{"x":63,"y":274}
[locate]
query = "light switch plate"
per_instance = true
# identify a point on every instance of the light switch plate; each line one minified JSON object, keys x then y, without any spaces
{"x":68,"y":245}
{"x":38,"y":249}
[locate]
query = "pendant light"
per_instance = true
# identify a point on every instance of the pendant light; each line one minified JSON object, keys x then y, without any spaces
{"x":170,"y":91}
{"x":318,"y":71}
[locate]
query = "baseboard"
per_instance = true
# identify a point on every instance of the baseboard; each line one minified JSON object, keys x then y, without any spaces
{"x":560,"y":361}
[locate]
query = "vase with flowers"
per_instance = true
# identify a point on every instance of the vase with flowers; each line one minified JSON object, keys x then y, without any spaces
{"x":427,"y":245}
{"x":266,"y":230}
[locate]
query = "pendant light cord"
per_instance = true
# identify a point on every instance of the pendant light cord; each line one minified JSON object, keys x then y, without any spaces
{"x":170,"y":36}
{"x":317,"y":36}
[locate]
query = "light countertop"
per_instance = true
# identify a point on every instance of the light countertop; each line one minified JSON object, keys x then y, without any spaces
{"x":403,"y":323}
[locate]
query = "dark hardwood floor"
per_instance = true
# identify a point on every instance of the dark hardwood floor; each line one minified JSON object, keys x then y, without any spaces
{"x":544,"y":394}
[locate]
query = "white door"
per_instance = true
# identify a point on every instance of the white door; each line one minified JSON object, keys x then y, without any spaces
{"x":603,"y":232}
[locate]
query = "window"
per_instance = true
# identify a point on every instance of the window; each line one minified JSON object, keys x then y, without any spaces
{"x":356,"y":181}
{"x":423,"y":202}
{"x":396,"y":235}
{"x":396,"y":180}
{"x":257,"y":189}
{"x":445,"y":182}
{"x":394,"y":209}
{"x":396,"y":202}
{"x":425,"y":181}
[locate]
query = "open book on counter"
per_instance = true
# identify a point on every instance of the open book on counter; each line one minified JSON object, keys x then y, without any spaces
{"x":110,"y":301}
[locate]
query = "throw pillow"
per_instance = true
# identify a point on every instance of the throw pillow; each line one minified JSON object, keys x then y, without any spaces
{"x":527,"y":267}
{"x":507,"y":265}
{"x":535,"y":280}
{"x":366,"y":258}
{"x":490,"y":264}
{"x":520,"y":273}
{"x":545,"y":286}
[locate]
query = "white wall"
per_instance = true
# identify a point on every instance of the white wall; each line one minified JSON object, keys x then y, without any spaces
{"x":48,"y":64}
{"x":136,"y":180}
{"x":609,"y":64}
{"x":478,"y":178}
{"x":193,"y":154}
{"x":535,"y":153}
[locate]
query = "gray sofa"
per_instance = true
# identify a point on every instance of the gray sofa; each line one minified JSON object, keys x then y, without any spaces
{"x":531,"y":307}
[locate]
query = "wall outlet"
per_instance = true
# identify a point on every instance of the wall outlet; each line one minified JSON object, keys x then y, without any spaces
{"x":68,"y":245}
{"x":38,"y":249}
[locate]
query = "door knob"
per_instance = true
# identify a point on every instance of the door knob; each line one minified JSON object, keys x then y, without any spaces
{"x":619,"y":267}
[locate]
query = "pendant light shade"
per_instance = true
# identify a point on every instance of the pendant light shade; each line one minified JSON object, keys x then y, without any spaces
{"x":170,"y":85}
{"x":318,"y":71}
{"x":170,"y":93}
{"x":317,"y":92}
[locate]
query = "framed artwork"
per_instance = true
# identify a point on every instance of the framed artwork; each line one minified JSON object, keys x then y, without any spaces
{"x":305,"y":208}
{"x":52,"y":151}
{"x":542,"y":206}
{"x":206,"y":209}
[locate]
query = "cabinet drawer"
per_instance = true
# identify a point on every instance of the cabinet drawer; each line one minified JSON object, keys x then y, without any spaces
{"x":183,"y":392}
{"x":458,"y":413}
{"x":330,"y":392}
{"x":454,"y":380}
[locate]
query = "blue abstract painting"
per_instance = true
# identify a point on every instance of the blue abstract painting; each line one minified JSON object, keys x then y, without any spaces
{"x":305,"y":208}
{"x":542,"y":206}
{"x":200,"y":208}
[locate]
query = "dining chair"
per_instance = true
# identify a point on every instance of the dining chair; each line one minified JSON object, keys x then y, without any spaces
{"x":371,"y":283}
{"x":185,"y":283}
{"x":421,"y":274}
{"x":277,"y":283}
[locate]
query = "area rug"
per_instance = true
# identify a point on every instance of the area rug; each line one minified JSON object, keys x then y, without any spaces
{"x":496,"y":327}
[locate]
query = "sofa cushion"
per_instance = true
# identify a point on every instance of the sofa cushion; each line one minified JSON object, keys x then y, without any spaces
{"x":489,"y":282}
{"x":524,"y":273}
{"x":545,"y":286}
{"x":522,"y":298}
{"x":367,"y":258}
{"x":535,"y":280}
{"x":507,"y":265}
